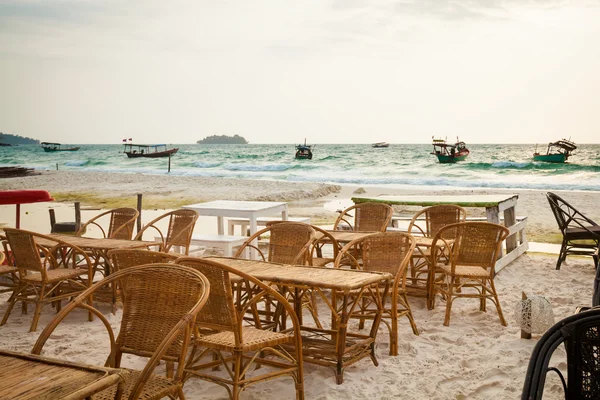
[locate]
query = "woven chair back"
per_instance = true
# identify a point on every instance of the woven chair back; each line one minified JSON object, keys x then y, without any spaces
{"x":565,"y":214}
{"x":289,"y":242}
{"x":157,"y":299}
{"x":127,"y":258}
{"x":580,"y":334}
{"x":121,"y":222}
{"x":368,"y":217}
{"x":24,"y":250}
{"x":475,"y":243}
{"x":387,"y":252}
{"x":178,"y":232}
{"x":436,"y":217}
{"x":219,"y":312}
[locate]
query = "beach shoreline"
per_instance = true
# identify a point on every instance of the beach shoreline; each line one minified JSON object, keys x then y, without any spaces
{"x":319,"y":201}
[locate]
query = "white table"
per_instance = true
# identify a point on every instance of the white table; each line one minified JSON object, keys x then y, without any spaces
{"x":516,"y":243}
{"x":240,"y":209}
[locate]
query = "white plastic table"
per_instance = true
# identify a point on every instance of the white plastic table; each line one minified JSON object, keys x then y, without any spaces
{"x":240,"y":209}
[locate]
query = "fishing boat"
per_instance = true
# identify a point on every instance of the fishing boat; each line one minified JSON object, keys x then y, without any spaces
{"x":557,"y":152}
{"x":148,"y":150}
{"x":51,"y":147}
{"x":449,"y":153}
{"x":304,"y":151}
{"x":380,"y":145}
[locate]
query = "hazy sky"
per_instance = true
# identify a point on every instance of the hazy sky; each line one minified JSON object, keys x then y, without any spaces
{"x":347,"y":71}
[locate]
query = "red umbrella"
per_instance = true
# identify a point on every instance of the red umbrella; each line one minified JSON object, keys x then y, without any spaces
{"x":19,"y":197}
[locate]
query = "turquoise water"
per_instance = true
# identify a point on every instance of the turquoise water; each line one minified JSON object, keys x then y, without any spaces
{"x":488,"y":166}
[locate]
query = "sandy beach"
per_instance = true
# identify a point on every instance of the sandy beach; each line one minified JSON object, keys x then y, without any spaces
{"x":474,"y":358}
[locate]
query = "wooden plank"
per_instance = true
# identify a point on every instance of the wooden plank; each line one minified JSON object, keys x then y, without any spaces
{"x":490,"y":200}
{"x":510,"y":220}
{"x":510,"y":257}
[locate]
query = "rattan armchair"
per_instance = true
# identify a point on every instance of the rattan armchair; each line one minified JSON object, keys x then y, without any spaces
{"x":159,"y":310}
{"x":580,"y":334}
{"x":465,"y":256}
{"x":178,"y":234}
{"x":387,"y":252}
{"x":8,"y":272}
{"x":581,"y":235}
{"x":222,"y":338}
{"x":368,"y":217}
{"x":48,"y":270}
{"x":289,"y":243}
{"x":424,"y":225}
{"x":113,"y":224}
{"x":127,"y":258}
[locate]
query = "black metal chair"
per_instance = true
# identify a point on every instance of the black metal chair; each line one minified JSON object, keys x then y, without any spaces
{"x":580,"y":334}
{"x":581,"y":235}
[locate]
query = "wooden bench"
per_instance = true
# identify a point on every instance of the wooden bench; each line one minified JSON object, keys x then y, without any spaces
{"x":224,"y":242}
{"x":260,"y":221}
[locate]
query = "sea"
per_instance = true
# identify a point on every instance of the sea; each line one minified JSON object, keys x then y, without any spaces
{"x":505,"y":166}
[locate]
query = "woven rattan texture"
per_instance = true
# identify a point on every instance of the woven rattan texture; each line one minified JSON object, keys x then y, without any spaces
{"x":152,"y":306}
{"x":179,"y":230}
{"x":121,"y":222}
{"x":368,"y":217}
{"x":122,"y":259}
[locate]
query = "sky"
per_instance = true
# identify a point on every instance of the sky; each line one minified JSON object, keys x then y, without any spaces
{"x":278,"y":71}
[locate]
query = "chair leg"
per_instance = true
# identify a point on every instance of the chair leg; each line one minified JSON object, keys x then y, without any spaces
{"x":235,"y":390}
{"x":502,"y":320}
{"x":404,"y":301}
{"x":11,"y":303}
{"x":38,"y":309}
{"x":449,"y":302}
{"x":562,"y":255}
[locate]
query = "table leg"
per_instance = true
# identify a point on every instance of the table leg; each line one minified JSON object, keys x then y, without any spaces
{"x":510,"y":220}
{"x":220,"y":227}
{"x":284,"y":214}
{"x":253,"y":230}
{"x":492,"y":214}
{"x":341,"y":340}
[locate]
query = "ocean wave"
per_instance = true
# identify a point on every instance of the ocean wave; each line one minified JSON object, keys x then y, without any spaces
{"x":77,"y":163}
{"x":253,"y":167}
{"x":199,"y":164}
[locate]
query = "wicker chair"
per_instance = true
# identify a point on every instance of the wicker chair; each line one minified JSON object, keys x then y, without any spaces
{"x":289,"y":243}
{"x":315,"y":252}
{"x":159,"y":309}
{"x":8,"y":272}
{"x":425,"y":225}
{"x":384,"y":252}
{"x":368,"y":217}
{"x":316,"y":256}
{"x":121,"y":222}
{"x":126,"y":258}
{"x":580,"y":334}
{"x":48,"y":270}
{"x":223,"y":340}
{"x":178,"y":233}
{"x":581,"y":235}
{"x":465,"y":255}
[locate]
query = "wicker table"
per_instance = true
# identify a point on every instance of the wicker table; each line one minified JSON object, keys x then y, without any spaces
{"x":516,"y":243}
{"x":27,"y":376}
{"x":99,"y":247}
{"x":335,"y":347}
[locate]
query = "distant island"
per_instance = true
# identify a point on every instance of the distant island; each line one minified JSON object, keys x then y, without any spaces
{"x":6,"y":139}
{"x":223,"y":139}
